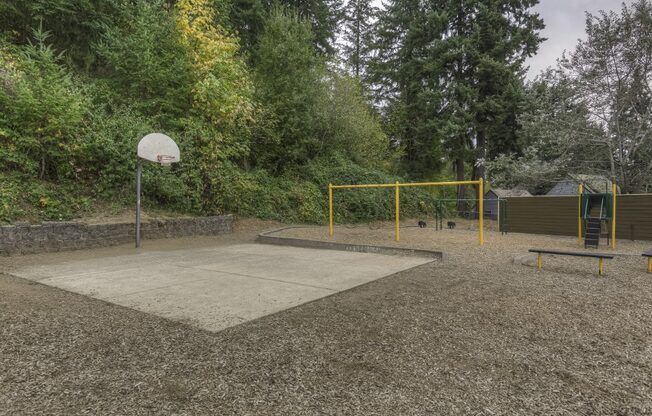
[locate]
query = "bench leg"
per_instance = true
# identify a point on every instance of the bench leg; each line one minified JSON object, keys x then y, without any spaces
{"x":649,"y":264}
{"x":600,"y":266}
{"x":539,"y":261}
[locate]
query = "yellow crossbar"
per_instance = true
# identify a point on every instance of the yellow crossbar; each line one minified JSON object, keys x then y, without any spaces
{"x":397,"y":186}
{"x":370,"y":185}
{"x":392,"y":185}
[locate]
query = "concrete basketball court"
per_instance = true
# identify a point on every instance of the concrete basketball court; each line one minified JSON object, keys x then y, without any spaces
{"x":217,"y":287}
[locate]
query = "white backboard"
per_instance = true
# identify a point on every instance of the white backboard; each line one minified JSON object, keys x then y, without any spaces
{"x":159,"y":148}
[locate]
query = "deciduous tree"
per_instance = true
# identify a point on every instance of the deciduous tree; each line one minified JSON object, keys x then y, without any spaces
{"x":593,"y":113}
{"x":611,"y":73}
{"x":289,"y":79}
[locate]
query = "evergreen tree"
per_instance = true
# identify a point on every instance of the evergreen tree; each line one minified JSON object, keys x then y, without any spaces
{"x":404,"y":77}
{"x":142,"y":58}
{"x":73,"y":25}
{"x":357,"y":34}
{"x":455,"y":69}
{"x":506,"y":34}
{"x":248,"y":19}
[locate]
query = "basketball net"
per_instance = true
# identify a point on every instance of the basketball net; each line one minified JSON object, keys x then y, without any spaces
{"x":165,"y":160}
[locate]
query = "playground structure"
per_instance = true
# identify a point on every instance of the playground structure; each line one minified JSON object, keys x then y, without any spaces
{"x":594,"y":211}
{"x":397,"y":211}
{"x":594,"y":219}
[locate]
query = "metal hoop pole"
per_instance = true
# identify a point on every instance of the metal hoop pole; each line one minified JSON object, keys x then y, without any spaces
{"x":481,"y":209}
{"x":579,"y":214}
{"x":139,"y":169}
{"x":330,"y":209}
{"x":614,"y":195}
{"x":398,"y":212}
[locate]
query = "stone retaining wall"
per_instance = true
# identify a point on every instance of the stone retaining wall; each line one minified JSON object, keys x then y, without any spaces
{"x":23,"y":238}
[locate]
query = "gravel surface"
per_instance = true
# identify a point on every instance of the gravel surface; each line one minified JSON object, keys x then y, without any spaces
{"x":475,"y":334}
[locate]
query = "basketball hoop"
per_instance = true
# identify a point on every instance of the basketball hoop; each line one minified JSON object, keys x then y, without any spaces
{"x":157,"y":148}
{"x":166,"y":160}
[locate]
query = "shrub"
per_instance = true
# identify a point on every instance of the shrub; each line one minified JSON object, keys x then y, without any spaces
{"x":27,"y":198}
{"x":41,"y":111}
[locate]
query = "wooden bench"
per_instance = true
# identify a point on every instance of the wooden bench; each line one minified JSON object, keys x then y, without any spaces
{"x":648,"y":254}
{"x":599,"y":256}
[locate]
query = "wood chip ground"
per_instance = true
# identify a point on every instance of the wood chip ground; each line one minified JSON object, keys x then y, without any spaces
{"x":476,"y":334}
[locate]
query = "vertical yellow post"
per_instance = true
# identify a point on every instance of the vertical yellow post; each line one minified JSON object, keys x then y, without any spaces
{"x":398,"y":213}
{"x":579,"y":215}
{"x":481,"y":209}
{"x":600,"y":266}
{"x":614,"y":191}
{"x":330,"y":209}
{"x":539,"y":262}
{"x":498,"y":212}
{"x":649,"y":264}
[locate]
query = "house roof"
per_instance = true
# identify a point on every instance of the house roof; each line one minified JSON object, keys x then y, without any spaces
{"x":507,"y":193}
{"x":592,"y":184}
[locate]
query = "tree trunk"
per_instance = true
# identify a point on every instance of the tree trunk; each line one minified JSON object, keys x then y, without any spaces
{"x":42,"y":170}
{"x":459,"y":176}
{"x":476,"y":188}
{"x":478,"y":168}
{"x":357,"y":45}
{"x":481,"y":154}
{"x":612,"y":164}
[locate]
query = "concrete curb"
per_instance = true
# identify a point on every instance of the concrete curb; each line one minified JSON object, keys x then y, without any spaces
{"x":267,"y":238}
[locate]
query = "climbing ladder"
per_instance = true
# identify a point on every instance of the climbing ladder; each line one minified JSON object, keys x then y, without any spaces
{"x":592,"y":229}
{"x":596,"y":212}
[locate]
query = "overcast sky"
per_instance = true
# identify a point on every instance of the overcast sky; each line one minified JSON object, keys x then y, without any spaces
{"x":564,"y":21}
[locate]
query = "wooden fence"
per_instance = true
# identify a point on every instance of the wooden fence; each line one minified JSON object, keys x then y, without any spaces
{"x":557,"y":215}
